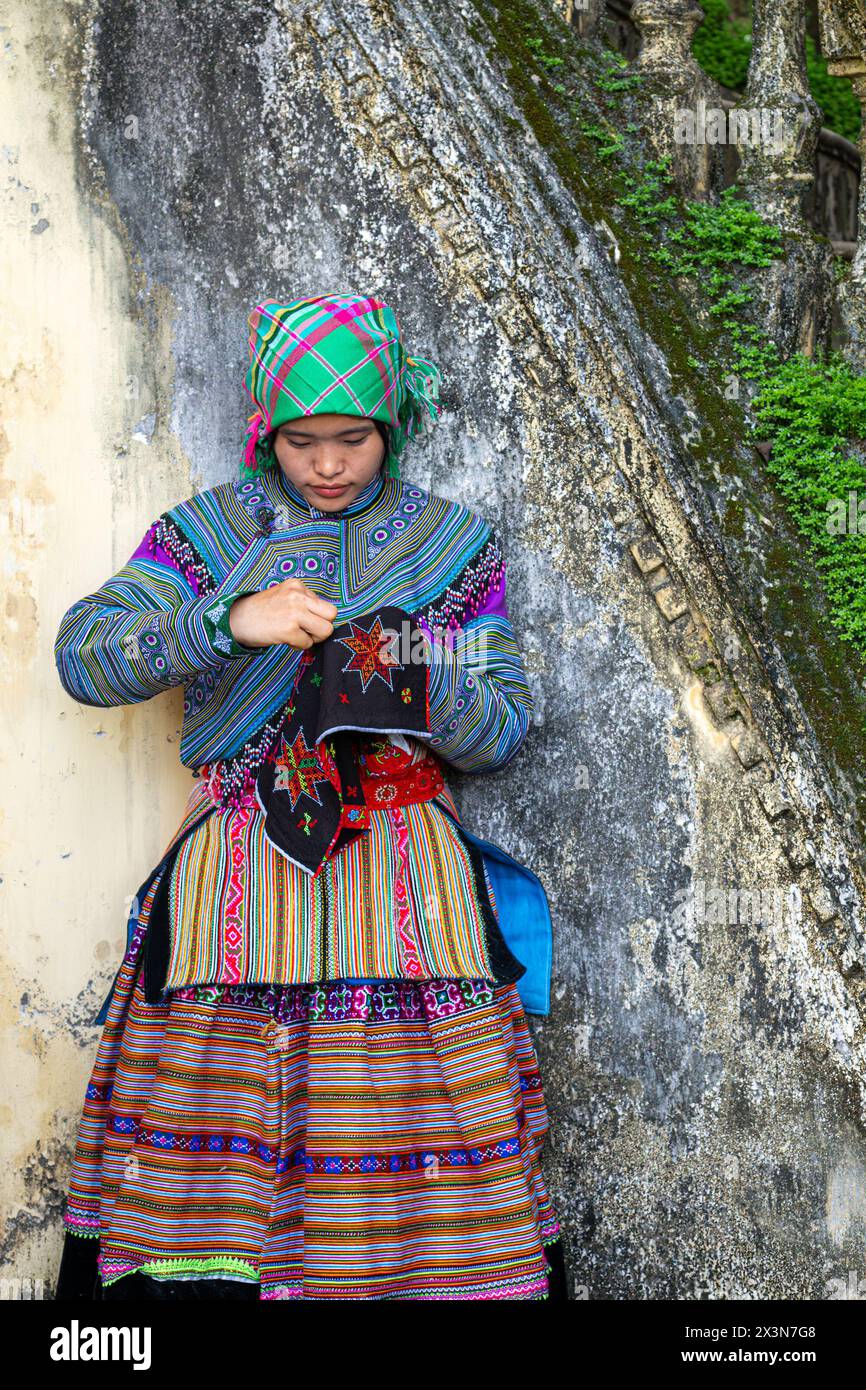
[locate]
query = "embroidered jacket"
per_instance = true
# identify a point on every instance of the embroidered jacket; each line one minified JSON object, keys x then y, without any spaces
{"x":411,"y":896}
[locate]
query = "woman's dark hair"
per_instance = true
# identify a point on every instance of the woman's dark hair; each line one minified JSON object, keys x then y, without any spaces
{"x":385,"y":432}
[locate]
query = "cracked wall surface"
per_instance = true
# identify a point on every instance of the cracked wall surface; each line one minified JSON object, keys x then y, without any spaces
{"x":705,"y":1076}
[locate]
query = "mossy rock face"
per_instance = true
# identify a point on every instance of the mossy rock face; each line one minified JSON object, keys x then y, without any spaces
{"x":705,"y":351}
{"x":675,"y":748}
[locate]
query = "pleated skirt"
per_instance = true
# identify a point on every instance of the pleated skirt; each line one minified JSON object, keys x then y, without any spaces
{"x":374,"y":1139}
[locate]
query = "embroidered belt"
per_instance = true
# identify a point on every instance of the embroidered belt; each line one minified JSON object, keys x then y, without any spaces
{"x":420,"y":781}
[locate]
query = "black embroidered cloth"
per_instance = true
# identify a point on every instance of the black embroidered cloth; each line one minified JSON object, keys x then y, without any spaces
{"x":371,"y":675}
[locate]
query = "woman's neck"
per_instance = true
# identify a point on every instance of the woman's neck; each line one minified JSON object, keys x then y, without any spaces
{"x":368,"y":497}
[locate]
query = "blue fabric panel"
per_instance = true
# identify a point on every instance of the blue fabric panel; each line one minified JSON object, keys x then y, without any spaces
{"x":524,"y":919}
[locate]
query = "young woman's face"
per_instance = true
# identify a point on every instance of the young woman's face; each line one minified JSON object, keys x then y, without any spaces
{"x":329,"y":458}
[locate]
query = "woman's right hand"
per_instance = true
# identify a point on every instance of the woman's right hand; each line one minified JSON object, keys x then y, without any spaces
{"x":287,"y":612}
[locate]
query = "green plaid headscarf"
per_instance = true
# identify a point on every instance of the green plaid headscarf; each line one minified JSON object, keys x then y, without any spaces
{"x":334,"y":352}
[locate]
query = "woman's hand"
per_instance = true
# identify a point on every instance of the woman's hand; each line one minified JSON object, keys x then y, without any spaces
{"x":287,"y":612}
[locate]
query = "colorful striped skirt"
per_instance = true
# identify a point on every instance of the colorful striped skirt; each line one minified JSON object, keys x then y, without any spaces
{"x":352,"y":1139}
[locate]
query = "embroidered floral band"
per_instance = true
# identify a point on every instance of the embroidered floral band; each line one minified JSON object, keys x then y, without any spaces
{"x":371,"y":675}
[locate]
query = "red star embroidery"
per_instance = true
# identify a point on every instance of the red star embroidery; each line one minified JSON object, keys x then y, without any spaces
{"x":298,"y":770}
{"x":368,"y":659}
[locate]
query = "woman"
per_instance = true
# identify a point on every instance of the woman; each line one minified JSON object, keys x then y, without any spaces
{"x":316,"y":1078}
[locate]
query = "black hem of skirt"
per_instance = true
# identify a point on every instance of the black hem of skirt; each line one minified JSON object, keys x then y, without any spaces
{"x":78,"y":1279}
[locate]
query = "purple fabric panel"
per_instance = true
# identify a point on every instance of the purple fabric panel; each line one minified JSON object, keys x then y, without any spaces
{"x":495,"y":601}
{"x":150,"y":549}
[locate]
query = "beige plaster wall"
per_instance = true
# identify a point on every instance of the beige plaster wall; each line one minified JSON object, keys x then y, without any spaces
{"x":90,"y":796}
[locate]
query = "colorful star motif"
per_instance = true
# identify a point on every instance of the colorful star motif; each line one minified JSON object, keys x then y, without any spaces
{"x":298,"y":770}
{"x":367,"y":658}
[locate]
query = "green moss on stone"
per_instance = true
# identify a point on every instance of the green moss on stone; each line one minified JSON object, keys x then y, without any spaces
{"x":688,"y":269}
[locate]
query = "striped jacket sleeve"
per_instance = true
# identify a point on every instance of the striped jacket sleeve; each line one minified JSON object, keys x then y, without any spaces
{"x":146,"y":629}
{"x":480,"y":700}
